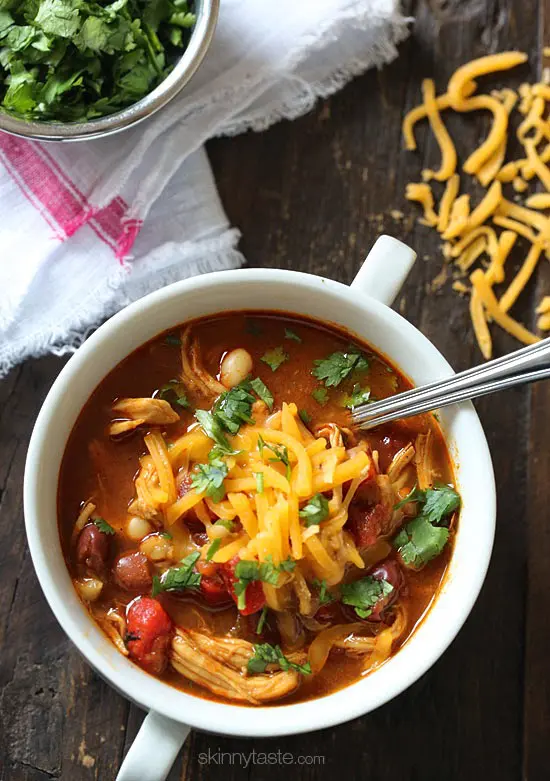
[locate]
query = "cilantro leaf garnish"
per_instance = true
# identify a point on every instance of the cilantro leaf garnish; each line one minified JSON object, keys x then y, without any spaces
{"x":103,"y":526}
{"x":174,"y":392}
{"x":292,"y":335}
{"x":422,"y":539}
{"x":263,"y":392}
{"x":315,"y":511}
{"x":247,"y":572}
{"x":262,"y":620}
{"x":305,"y":417}
{"x":212,"y":548}
{"x":441,"y":500}
{"x":233,"y":408}
{"x":357,"y":396}
{"x":178,"y":578}
{"x":320,"y":395}
{"x":338,"y":366}
{"x":70,"y":61}
{"x":212,"y":428}
{"x":265,"y":654}
{"x":414,"y":495}
{"x":279,"y":451}
{"x":363,"y":594}
{"x":208,"y":479}
{"x":324,"y":596}
{"x":274,"y":358}
{"x":229,"y":525}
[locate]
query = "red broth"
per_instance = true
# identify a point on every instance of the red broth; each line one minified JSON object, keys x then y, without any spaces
{"x":99,"y":467}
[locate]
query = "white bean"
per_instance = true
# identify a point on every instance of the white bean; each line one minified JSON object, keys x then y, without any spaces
{"x":138,"y":528}
{"x":236,"y":366}
{"x":88,"y":588}
{"x":157,"y":548}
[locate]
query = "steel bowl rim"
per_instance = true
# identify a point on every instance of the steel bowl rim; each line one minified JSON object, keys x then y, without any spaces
{"x":187,"y":65}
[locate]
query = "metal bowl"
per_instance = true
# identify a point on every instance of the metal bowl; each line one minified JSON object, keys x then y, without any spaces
{"x":207,"y":16}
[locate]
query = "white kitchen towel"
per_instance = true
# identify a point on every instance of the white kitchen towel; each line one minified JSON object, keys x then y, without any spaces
{"x":90,"y":226}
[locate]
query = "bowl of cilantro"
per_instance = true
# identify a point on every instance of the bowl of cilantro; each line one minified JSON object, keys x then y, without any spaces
{"x":79,"y":69}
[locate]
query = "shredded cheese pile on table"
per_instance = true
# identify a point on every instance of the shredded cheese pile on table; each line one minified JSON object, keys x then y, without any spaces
{"x":484,"y":234}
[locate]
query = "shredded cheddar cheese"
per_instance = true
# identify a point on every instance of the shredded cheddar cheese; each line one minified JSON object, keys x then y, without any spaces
{"x":481,"y":235}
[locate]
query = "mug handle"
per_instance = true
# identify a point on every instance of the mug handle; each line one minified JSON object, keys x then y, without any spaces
{"x":385,"y":269}
{"x":154,"y":750}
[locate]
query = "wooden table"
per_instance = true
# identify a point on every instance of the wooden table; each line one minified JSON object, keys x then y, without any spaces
{"x":313,"y":195}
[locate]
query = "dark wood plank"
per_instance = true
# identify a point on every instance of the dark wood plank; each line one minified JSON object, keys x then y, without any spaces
{"x":313,"y":195}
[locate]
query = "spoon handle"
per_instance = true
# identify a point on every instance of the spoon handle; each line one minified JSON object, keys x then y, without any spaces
{"x":370,"y":415}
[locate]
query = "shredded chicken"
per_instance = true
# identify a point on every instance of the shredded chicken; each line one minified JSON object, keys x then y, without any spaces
{"x":219,"y":664}
{"x":423,"y":460}
{"x":194,"y":374}
{"x":137,"y":412}
{"x":144,"y":510}
{"x":400,"y":460}
{"x":331,"y":432}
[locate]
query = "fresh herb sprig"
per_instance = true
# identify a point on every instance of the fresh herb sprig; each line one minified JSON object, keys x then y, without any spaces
{"x":339,"y":365}
{"x":265,"y":654}
{"x":74,"y":60}
{"x":178,"y":578}
{"x":424,"y":538}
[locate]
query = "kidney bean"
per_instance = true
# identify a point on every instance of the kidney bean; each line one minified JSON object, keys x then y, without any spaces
{"x":390,"y":571}
{"x":92,"y":550}
{"x":132,"y":572}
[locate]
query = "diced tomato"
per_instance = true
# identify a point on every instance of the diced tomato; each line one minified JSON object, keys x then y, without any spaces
{"x":367,"y":524}
{"x":254,"y":594}
{"x":149,"y":633}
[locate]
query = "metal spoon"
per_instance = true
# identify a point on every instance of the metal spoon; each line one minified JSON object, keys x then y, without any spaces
{"x":529,"y":364}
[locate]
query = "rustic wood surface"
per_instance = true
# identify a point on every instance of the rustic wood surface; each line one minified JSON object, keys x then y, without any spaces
{"x":313,"y":195}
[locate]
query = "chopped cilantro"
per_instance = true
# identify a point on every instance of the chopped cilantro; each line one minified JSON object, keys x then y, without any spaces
{"x":261,"y":620}
{"x":305,"y":417}
{"x":414,"y":495}
{"x":178,"y":578}
{"x":287,"y":565}
{"x":212,"y":428}
{"x":174,"y":392}
{"x":233,"y":408}
{"x":263,"y":392}
{"x":292,"y":335}
{"x":247,"y":572}
{"x":320,"y":395}
{"x":422,"y":539}
{"x":338,"y":366}
{"x":265,"y":654}
{"x":357,"y":396}
{"x":363,"y":594}
{"x":274,"y":358}
{"x":324,"y":596}
{"x":213,"y":548}
{"x":316,"y":510}
{"x":166,"y":535}
{"x":208,"y":479}
{"x":229,"y":525}
{"x":103,"y":526}
{"x":70,"y":61}
{"x":279,"y":451}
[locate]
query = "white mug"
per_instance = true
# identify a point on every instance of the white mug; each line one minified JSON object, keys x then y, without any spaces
{"x":362,"y":308}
